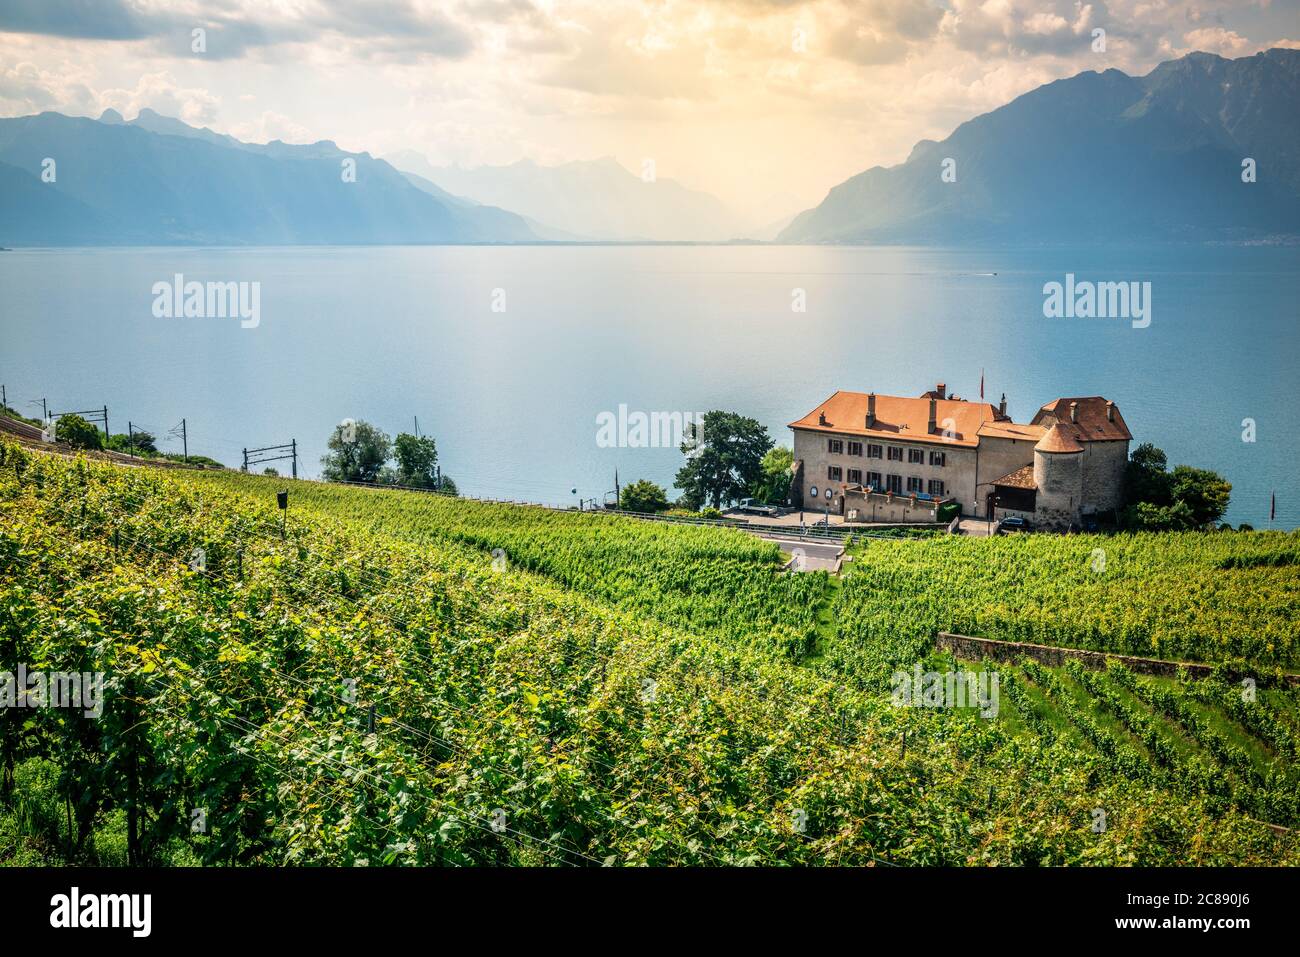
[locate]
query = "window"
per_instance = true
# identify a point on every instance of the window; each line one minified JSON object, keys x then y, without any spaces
{"x":855,"y":476}
{"x":835,"y":446}
{"x":913,"y":483}
{"x":894,"y":483}
{"x":855,"y":448}
{"x":874,"y":451}
{"x":873,"y":480}
{"x":895,"y":454}
{"x":834,"y":473}
{"x":813,"y":491}
{"x":915,"y":456}
{"x":935,"y":487}
{"x":940,"y":459}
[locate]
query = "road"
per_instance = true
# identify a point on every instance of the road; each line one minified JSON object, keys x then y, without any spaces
{"x":818,"y":556}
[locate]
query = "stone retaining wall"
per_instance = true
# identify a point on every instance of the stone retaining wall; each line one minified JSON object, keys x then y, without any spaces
{"x":976,"y":649}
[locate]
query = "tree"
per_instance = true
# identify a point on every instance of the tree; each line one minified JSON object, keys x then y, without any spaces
{"x":138,"y":442}
{"x":357,"y":452}
{"x":724,"y":461}
{"x":1145,"y":478}
{"x":1159,"y":500}
{"x":774,"y":486}
{"x":1205,"y":493}
{"x":271,"y":471}
{"x":417,"y":457}
{"x":643,"y":496}
{"x":77,"y":432}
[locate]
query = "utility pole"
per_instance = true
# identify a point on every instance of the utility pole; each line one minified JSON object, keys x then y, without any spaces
{"x":179,"y":430}
{"x":417,"y":426}
{"x":130,"y":437}
{"x":106,"y":432}
{"x":272,"y":453}
{"x":4,"y":397}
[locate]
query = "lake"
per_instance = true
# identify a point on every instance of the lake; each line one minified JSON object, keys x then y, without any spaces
{"x":508,"y":355}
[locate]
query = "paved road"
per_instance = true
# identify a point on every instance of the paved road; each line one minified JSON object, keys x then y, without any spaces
{"x":823,"y":556}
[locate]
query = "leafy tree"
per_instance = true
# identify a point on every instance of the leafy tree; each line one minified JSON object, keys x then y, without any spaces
{"x":417,"y":457}
{"x":774,"y":486}
{"x":1205,"y":493}
{"x":357,"y":451}
{"x":643,"y":496}
{"x":1145,"y":478}
{"x":723,"y":462}
{"x":272,"y":471}
{"x":1149,"y":517}
{"x":1160,"y":500}
{"x":139,"y":442}
{"x":77,"y":432}
{"x":446,"y":486}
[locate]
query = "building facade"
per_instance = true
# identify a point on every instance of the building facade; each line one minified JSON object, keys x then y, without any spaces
{"x":881,"y":458}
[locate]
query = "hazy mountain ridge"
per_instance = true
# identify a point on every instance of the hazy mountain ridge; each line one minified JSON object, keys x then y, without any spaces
{"x":597,"y":199}
{"x":157,"y":180}
{"x":1096,"y":157}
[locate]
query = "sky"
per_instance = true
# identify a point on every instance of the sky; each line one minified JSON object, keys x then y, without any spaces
{"x":765,"y":103}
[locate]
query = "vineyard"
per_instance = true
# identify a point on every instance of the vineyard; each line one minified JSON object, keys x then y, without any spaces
{"x":1222,"y":598}
{"x":399,"y":678}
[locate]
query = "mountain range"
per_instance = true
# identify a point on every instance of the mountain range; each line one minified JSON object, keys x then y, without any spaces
{"x":1098,"y":157}
{"x":1093,"y":158}
{"x":157,"y":180}
{"x":592,"y":200}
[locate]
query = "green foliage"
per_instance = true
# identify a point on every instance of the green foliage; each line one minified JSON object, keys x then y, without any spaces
{"x":1187,"y":498}
{"x":724,"y":462}
{"x":137,"y":441}
{"x":643,"y":496}
{"x":417,"y":458}
{"x":773,"y":487}
{"x":77,"y":432}
{"x":357,"y":451}
{"x":1204,"y":493}
{"x":625,"y":692}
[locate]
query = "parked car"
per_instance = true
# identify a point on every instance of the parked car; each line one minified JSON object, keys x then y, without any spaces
{"x":1013,"y":523}
{"x":752,"y":506}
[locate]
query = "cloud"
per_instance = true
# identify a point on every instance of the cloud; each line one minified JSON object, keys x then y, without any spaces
{"x":159,"y":92}
{"x":1229,"y":43}
{"x":396,"y":29}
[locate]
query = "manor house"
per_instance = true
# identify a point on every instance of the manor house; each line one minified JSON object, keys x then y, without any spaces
{"x":886,"y":458}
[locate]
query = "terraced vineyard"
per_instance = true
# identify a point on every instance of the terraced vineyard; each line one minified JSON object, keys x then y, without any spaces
{"x":1225,"y":597}
{"x":371,"y":686}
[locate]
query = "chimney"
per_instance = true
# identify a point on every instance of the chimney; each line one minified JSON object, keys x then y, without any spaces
{"x":940,"y":388}
{"x":1110,"y":411}
{"x":1074,"y":412}
{"x":1002,"y":407}
{"x":821,"y":418}
{"x":934,"y":415}
{"x":871,"y":410}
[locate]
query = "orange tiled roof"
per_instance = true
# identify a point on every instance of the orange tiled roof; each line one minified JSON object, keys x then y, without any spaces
{"x":899,"y":419}
{"x":1062,"y":437}
{"x":1022,"y":477}
{"x":1092,"y":424}
{"x":1011,"y":430}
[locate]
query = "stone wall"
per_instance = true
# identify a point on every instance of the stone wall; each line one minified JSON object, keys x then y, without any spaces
{"x":1059,"y":477}
{"x":1103,"y":476}
{"x":997,"y":457}
{"x":990,"y":649}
